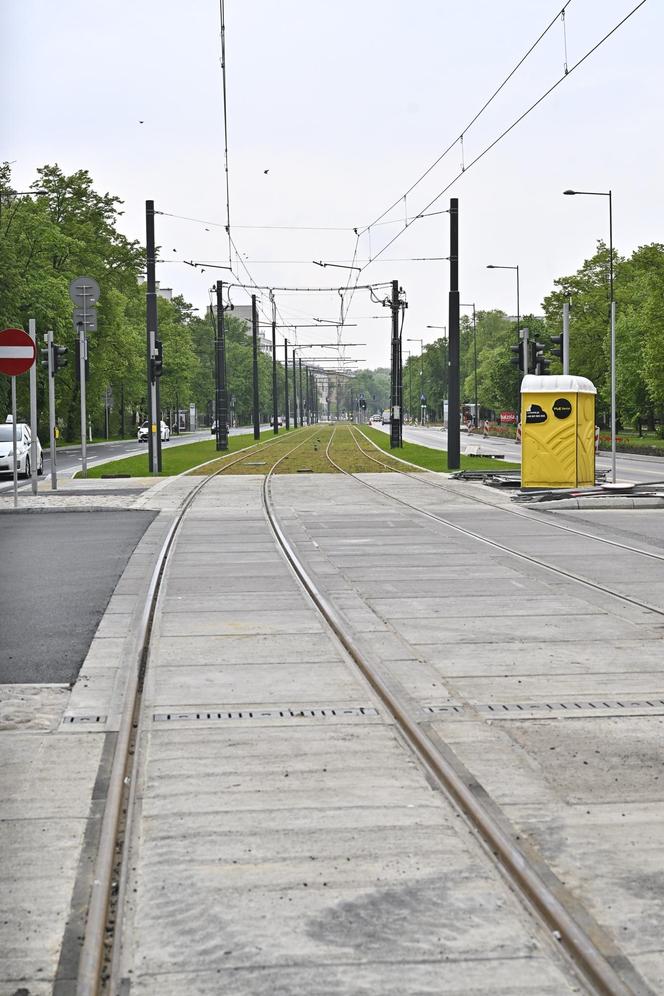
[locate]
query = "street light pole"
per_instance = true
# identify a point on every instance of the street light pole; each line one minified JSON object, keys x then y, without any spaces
{"x":607,"y":193}
{"x":421,"y":342}
{"x":477,"y":413}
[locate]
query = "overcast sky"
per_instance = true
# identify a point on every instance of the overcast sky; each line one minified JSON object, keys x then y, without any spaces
{"x":346,"y":104}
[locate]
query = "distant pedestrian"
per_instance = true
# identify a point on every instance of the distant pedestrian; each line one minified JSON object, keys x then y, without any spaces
{"x":485,"y":428}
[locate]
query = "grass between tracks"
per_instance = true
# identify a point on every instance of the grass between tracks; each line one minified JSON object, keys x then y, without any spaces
{"x":174,"y":461}
{"x":307,"y":458}
{"x":431,"y":459}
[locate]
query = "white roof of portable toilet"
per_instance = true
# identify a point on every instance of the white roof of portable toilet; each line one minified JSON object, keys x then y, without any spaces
{"x":556,"y":384}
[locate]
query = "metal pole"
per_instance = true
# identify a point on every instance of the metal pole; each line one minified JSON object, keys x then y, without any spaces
{"x":454,"y":398}
{"x":151,"y":335}
{"x":177,"y":413}
{"x":613,"y":346}
{"x":32,"y":331}
{"x":275,"y":397}
{"x":294,"y":394}
{"x":565,"y":342}
{"x":394,"y":411}
{"x":51,"y":411}
{"x":286,"y":398}
{"x":82,"y":355}
{"x":122,"y":410}
{"x":254,"y":340}
{"x":477,"y":410}
{"x":221,"y":398}
{"x":299,"y":363}
{"x":14,"y":442}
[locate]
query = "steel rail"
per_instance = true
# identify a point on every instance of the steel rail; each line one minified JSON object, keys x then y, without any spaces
{"x":523,"y":513}
{"x":577,"y":944}
{"x":516,"y":553}
{"x":95,"y":939}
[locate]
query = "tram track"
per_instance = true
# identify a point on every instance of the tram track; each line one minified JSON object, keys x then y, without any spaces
{"x":99,"y":957}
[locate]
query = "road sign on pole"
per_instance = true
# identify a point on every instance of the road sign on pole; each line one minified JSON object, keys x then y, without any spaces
{"x":17,"y":355}
{"x":84,"y":291}
{"x":17,"y":352}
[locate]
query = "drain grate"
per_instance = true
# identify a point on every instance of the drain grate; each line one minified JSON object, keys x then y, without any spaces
{"x":90,"y":720}
{"x":569,"y":708}
{"x":444,"y":710}
{"x":323,"y":712}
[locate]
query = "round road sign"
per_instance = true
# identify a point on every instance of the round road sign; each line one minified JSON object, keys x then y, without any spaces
{"x":17,"y":352}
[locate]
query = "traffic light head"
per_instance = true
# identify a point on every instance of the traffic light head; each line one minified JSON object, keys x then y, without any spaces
{"x":542,"y":364}
{"x":558,"y":346}
{"x":517,"y":356}
{"x":157,"y":360}
{"x":59,"y":358}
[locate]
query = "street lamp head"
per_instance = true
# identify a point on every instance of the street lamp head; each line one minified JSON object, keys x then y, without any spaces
{"x":490,"y":266}
{"x":569,"y":193}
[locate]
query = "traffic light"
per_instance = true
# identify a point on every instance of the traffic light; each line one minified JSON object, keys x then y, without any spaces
{"x":58,"y":358}
{"x":157,"y":361}
{"x":559,"y":347}
{"x":517,"y":358}
{"x":363,"y":403}
{"x":541,"y":363}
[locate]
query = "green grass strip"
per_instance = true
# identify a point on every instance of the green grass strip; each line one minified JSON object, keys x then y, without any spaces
{"x":430,"y":459}
{"x":176,"y":460}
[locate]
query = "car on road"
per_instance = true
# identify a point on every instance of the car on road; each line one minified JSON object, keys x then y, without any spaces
{"x":280,"y":422}
{"x":144,"y":432}
{"x":378,"y":419}
{"x":23,"y":440}
{"x":386,"y":417}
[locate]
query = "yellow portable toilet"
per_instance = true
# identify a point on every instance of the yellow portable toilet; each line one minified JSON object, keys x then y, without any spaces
{"x":557,"y":432}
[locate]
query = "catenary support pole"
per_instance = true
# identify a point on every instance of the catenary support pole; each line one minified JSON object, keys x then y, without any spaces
{"x":154,"y":433}
{"x":275,"y":393}
{"x":32,"y":330}
{"x":221,"y":395}
{"x":454,"y":398}
{"x":286,"y":397}
{"x":294,"y":393}
{"x":299,"y":363}
{"x":395,"y":414}
{"x":254,"y":343}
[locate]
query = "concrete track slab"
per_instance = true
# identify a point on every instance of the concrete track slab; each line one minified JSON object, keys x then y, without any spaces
{"x":514,"y":657}
{"x":247,"y":649}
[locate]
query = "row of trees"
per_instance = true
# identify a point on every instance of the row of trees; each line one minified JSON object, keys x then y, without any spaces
{"x":65,"y":229}
{"x":639,"y":292}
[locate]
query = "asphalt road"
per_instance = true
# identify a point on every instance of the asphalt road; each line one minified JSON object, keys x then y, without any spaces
{"x":630,"y":466}
{"x":59,"y":570}
{"x":69,"y":457}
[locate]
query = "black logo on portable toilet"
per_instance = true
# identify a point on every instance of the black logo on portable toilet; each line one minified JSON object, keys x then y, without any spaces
{"x":535,"y":414}
{"x":562,"y":408}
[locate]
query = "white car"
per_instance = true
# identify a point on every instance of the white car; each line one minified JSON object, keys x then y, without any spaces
{"x":144,"y":432}
{"x":23,"y":439}
{"x":376,"y":418}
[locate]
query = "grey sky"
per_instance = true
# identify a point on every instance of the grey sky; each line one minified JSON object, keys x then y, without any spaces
{"x":345,"y":104}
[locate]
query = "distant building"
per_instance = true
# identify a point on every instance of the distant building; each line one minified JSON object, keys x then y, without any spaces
{"x":165,"y":292}
{"x":243,"y":312}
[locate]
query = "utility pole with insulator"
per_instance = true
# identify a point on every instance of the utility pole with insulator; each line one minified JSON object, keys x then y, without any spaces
{"x":454,"y":391}
{"x":221,"y":391}
{"x":254,"y":341}
{"x":154,"y":422}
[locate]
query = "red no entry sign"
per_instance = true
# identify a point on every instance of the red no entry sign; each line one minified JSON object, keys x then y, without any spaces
{"x":17,"y":352}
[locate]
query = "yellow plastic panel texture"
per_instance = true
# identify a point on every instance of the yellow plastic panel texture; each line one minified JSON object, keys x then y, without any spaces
{"x":548,"y":447}
{"x":586,"y":440}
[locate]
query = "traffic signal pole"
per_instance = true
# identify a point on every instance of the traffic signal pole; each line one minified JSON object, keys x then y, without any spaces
{"x":254,"y":342}
{"x":32,"y":330}
{"x":565,"y":343}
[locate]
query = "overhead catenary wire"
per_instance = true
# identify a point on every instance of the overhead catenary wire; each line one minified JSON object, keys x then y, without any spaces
{"x":473,"y":120}
{"x":568,"y":72}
